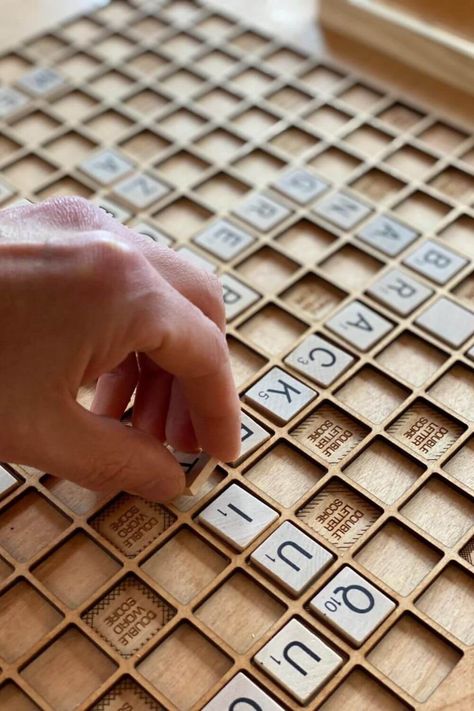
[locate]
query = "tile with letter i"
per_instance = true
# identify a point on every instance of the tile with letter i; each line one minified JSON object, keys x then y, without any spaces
{"x":279,"y":395}
{"x":387,"y":235}
{"x":352,"y":605}
{"x":8,"y":482}
{"x":300,"y":185}
{"x":242,"y":693}
{"x":342,"y":210}
{"x":359,"y":325}
{"x":107,"y":166}
{"x":141,"y":190}
{"x":447,"y":321}
{"x":435,"y":262}
{"x":298,"y":660}
{"x":292,"y":558}
{"x":224,"y":240}
{"x":319,"y":360}
{"x":41,"y":81}
{"x":252,"y":435}
{"x":262,"y":212}
{"x":237,"y":296}
{"x":399,"y":291}
{"x":237,"y":516}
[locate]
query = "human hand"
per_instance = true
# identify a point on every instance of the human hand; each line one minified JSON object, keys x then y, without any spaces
{"x":83,"y":298}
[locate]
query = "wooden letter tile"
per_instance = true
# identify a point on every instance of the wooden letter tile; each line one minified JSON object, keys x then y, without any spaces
{"x":141,"y":190}
{"x":8,"y":482}
{"x":399,"y":291}
{"x":261,"y":212}
{"x":11,"y":101}
{"x":107,"y":166}
{"x":388,"y":235}
{"x":342,"y":210}
{"x":197,"y":466}
{"x":252,"y":435}
{"x":279,"y":395}
{"x":300,"y":185}
{"x":237,"y":296}
{"x":435,"y":262}
{"x":224,"y":240}
{"x":41,"y":81}
{"x":447,"y":321}
{"x":359,"y":325}
{"x":319,"y":360}
{"x":241,"y":691}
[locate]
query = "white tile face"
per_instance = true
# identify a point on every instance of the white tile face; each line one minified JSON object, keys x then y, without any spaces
{"x":261,"y":212}
{"x":387,"y":235}
{"x":359,"y":325}
{"x":252,"y":435}
{"x":447,"y":321}
{"x":352,"y":605}
{"x":145,"y":229}
{"x":11,"y":101}
{"x":399,"y":291}
{"x":106,"y":167}
{"x":5,"y":192}
{"x":298,"y":660}
{"x":237,"y":516}
{"x":241,"y":694}
{"x":114,"y":210}
{"x":435,"y":262}
{"x":41,"y":81}
{"x":300,"y":185}
{"x":141,"y":190}
{"x":224,"y":240}
{"x":470,"y":353}
{"x":194,"y":258}
{"x":280,"y":395}
{"x":319,"y":360}
{"x":342,"y":210}
{"x":7,"y":482}
{"x":292,"y":558}
{"x":237,"y":296}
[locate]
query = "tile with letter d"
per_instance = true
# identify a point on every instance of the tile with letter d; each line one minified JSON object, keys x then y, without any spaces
{"x":342,"y":210}
{"x":359,"y":325}
{"x":262,"y":212}
{"x":237,"y":516}
{"x":252,"y":435}
{"x":298,"y":660}
{"x":279,"y":395}
{"x":387,"y":235}
{"x":292,"y":558}
{"x":224,"y":240}
{"x":319,"y":360}
{"x":435,"y":262}
{"x":447,"y":321}
{"x":352,"y":605}
{"x":242,"y":693}
{"x":399,"y":291}
{"x":237,"y":296}
{"x":300,"y":185}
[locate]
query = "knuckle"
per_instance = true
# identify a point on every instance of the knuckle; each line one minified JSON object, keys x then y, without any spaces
{"x":110,"y":264}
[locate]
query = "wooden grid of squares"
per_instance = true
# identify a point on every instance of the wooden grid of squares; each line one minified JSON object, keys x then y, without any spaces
{"x":216,"y":112}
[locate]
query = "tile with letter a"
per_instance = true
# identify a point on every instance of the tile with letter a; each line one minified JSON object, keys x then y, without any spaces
{"x":447,"y":321}
{"x":194,"y":258}
{"x":399,"y":291}
{"x":359,"y":325}
{"x":300,"y":185}
{"x":7,"y":481}
{"x":242,"y":693}
{"x":261,"y":212}
{"x":352,"y":605}
{"x":435,"y":262}
{"x":157,"y":235}
{"x":279,"y":395}
{"x":237,"y":296}
{"x":237,"y":516}
{"x":342,"y":210}
{"x":319,"y":360}
{"x":41,"y":81}
{"x":107,"y":166}
{"x":224,"y":240}
{"x":387,"y":235}
{"x":11,"y":101}
{"x":292,"y":558}
{"x":141,"y":190}
{"x":298,"y":660}
{"x":252,"y":435}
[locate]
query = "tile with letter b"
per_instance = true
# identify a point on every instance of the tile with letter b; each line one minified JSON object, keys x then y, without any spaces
{"x":237,"y":516}
{"x":262,"y":212}
{"x":447,"y":321}
{"x":298,"y":660}
{"x":300,"y":185}
{"x":342,"y":210}
{"x":435,"y":262}
{"x":292,"y":558}
{"x":106,"y":167}
{"x":141,"y":190}
{"x":359,"y":325}
{"x":399,"y":291}
{"x":319,"y":360}
{"x":224,"y":240}
{"x":387,"y":235}
{"x":252,"y":435}
{"x":242,"y":691}
{"x":237,"y":296}
{"x":279,"y":395}
{"x":352,"y":605}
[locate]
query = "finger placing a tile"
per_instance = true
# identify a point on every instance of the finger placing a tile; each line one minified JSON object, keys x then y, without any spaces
{"x":352,"y":605}
{"x":224,"y":240}
{"x":435,"y":262}
{"x":342,"y":210}
{"x":237,"y":516}
{"x":300,"y":185}
{"x":298,"y":660}
{"x":141,"y":190}
{"x":451,"y":323}
{"x":262,"y":212}
{"x":359,"y":325}
{"x":197,"y":467}
{"x":387,"y":235}
{"x":106,"y":167}
{"x":242,"y":692}
{"x":399,"y":291}
{"x":237,"y":296}
{"x":292,"y":558}
{"x":252,"y":435}
{"x":319,"y":360}
{"x":279,"y":395}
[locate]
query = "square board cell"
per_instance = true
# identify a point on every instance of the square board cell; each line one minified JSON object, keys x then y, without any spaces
{"x":455,"y":390}
{"x":422,"y":211}
{"x":359,"y":690}
{"x":284,"y":474}
{"x":109,"y":125}
{"x":258,"y":166}
{"x":181,"y":125}
{"x":267,"y":269}
{"x":335,"y":164}
{"x":245,"y":362}
{"x":457,"y":234}
{"x":350,"y":267}
{"x":240,"y":612}
{"x":294,"y":142}
{"x":371,"y":394}
{"x":461,"y":464}
{"x":279,"y":395}
{"x":127,"y":695}
{"x":305,"y":241}
{"x":378,"y":186}
{"x":313,"y":296}
{"x":76,"y":498}
{"x":182,"y":218}
{"x":12,"y":697}
{"x":411,"y":358}
{"x":359,"y":325}
{"x":272,"y":329}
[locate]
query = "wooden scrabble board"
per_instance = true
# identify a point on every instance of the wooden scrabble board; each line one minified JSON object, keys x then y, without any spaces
{"x":332,"y":566}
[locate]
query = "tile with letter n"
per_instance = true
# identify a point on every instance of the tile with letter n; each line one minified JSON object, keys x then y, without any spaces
{"x":224,"y":240}
{"x":242,"y":692}
{"x":237,"y":516}
{"x":279,"y":395}
{"x":352,"y":605}
{"x":387,"y":235}
{"x":252,"y":435}
{"x":342,"y":210}
{"x":298,"y":660}
{"x":262,"y":212}
{"x":237,"y":296}
{"x":359,"y":325}
{"x":399,"y":291}
{"x":319,"y":360}
{"x":300,"y":185}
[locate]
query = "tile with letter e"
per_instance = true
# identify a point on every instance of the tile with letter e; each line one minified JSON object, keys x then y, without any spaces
{"x":279,"y":395}
{"x":298,"y":660}
{"x":141,"y":190}
{"x":359,"y":325}
{"x":157,"y":235}
{"x":11,"y":101}
{"x":352,"y":605}
{"x":342,"y":210}
{"x":319,"y":360}
{"x":435,"y":262}
{"x":107,"y":166}
{"x":224,"y":240}
{"x":41,"y":81}
{"x":300,"y":185}
{"x":8,"y":482}
{"x":387,"y":235}
{"x":262,"y":212}
{"x":252,"y":435}
{"x":242,"y":692}
{"x":237,"y":296}
{"x":399,"y":291}
{"x":237,"y":516}
{"x":447,"y":321}
{"x":292,"y":558}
